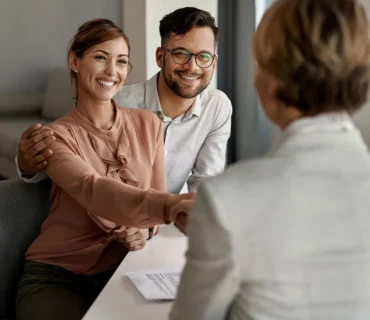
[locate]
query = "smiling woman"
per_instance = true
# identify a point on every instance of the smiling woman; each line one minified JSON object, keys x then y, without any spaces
{"x":102,"y":57}
{"x":109,"y":183}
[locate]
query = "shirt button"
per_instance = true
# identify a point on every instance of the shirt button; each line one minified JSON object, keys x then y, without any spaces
{"x":165,"y":152}
{"x":110,"y":134}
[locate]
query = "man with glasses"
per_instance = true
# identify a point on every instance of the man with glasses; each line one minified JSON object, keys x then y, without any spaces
{"x":196,"y":120}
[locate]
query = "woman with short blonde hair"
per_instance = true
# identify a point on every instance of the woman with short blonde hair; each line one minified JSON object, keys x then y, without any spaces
{"x":318,"y":52}
{"x":286,"y":236}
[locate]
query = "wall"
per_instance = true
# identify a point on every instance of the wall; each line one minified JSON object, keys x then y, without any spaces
{"x":134,"y":25}
{"x":34,"y":36}
{"x":362,"y":117}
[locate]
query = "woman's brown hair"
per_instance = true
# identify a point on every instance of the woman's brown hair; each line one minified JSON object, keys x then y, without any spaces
{"x":319,"y":52}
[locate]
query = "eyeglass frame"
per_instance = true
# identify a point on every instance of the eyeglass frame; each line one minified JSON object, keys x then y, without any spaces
{"x":190,"y":55}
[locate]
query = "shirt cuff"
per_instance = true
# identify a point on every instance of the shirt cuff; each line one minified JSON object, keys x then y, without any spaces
{"x":35,"y":179}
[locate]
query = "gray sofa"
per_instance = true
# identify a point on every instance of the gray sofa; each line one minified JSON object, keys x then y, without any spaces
{"x":23,"y":208}
{"x":20,"y":111}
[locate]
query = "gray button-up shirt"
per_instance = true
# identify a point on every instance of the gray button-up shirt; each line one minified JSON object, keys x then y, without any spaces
{"x":195,"y":142}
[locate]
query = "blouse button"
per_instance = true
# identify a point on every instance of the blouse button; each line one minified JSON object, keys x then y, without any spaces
{"x":109,"y":134}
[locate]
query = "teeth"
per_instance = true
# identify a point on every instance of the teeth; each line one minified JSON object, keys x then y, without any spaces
{"x":106,"y":83}
{"x":188,"y":78}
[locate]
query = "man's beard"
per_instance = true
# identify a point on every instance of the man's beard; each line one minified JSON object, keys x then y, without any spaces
{"x":176,"y":89}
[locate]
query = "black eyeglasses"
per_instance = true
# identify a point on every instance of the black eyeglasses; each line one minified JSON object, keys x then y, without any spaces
{"x":181,"y":56}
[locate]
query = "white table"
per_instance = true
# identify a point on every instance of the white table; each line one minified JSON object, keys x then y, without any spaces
{"x":120,"y":299}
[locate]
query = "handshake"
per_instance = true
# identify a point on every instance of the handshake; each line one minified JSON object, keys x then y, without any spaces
{"x":177,"y":209}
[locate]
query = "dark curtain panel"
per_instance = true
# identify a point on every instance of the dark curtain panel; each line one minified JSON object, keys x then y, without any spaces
{"x":251,"y":133}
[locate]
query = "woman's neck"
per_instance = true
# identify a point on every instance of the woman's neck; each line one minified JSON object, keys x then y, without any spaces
{"x":99,"y":113}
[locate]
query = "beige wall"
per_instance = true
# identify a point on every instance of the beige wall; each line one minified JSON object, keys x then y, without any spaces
{"x":34,"y":35}
{"x":135,"y":27}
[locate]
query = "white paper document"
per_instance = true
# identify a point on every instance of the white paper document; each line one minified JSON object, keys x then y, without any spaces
{"x":157,"y":284}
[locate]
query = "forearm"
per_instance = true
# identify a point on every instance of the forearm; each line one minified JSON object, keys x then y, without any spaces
{"x":115,"y":201}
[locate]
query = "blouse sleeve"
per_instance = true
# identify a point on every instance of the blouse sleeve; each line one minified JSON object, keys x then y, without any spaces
{"x":104,"y":197}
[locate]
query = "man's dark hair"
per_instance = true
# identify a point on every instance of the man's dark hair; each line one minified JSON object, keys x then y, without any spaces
{"x":181,"y":21}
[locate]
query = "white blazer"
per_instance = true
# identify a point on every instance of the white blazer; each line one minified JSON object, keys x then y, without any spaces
{"x":286,"y":236}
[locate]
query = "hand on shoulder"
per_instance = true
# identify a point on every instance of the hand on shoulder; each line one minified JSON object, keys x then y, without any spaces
{"x":33,"y":149}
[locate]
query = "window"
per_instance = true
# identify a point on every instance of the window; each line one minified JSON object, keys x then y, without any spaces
{"x":261,"y":6}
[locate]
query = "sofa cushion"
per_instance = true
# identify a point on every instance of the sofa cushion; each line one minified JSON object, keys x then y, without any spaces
{"x":24,"y":103}
{"x":8,"y":169}
{"x":11,"y":131}
{"x":23,"y":209}
{"x":59,"y":96}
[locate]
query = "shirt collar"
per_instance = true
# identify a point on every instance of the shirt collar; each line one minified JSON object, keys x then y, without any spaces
{"x":195,"y":108}
{"x":152,"y":100}
{"x":151,"y":95}
{"x":328,"y":121}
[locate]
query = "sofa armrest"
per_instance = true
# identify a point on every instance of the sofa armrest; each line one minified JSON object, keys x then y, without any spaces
{"x":21,"y":103}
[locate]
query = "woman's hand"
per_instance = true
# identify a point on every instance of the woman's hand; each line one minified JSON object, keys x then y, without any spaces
{"x":178,"y":207}
{"x":132,"y":238}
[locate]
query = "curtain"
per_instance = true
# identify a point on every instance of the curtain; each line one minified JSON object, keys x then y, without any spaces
{"x":251,"y":133}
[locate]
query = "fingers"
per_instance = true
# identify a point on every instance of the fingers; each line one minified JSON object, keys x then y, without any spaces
{"x":188,"y":196}
{"x":120,"y":229}
{"x":28,"y":132}
{"x":135,"y":245}
{"x":40,"y":143}
{"x":183,"y":206}
{"x":36,"y":143}
{"x":132,"y":238}
{"x":181,"y":222}
{"x":128,"y":235}
{"x":178,"y":203}
{"x":41,"y":166}
{"x":138,"y":247}
{"x":39,"y":161}
{"x":42,"y":157}
{"x":33,"y":148}
{"x":129,"y":232}
{"x":180,"y":211}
